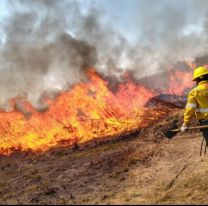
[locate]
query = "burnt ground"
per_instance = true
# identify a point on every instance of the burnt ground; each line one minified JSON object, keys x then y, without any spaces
{"x":143,"y":169}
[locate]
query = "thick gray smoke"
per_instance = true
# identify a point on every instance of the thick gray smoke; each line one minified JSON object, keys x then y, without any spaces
{"x":170,"y":31}
{"x":47,"y":45}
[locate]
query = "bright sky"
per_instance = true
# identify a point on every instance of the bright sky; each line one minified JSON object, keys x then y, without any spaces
{"x":3,"y":10}
{"x":121,"y":14}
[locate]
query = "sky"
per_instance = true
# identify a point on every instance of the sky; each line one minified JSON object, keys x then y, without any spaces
{"x":121,"y":14}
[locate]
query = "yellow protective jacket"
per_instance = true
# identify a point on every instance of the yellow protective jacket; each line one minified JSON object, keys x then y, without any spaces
{"x":197,"y":103}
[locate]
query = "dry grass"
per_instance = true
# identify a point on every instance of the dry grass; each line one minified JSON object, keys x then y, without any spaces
{"x":132,"y":171}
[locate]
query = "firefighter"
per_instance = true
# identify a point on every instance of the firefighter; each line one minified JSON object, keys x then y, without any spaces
{"x":197,"y":103}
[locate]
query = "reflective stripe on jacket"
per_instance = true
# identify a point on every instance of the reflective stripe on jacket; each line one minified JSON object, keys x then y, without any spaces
{"x":197,"y":103}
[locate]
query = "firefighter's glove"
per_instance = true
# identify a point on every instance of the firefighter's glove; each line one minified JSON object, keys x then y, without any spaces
{"x":184,"y":127}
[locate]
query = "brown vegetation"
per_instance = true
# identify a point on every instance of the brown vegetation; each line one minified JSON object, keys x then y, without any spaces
{"x":144,"y":169}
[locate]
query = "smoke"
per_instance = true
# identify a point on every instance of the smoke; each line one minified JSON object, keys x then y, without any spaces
{"x":169,"y":32}
{"x":39,"y":53}
{"x":46,"y":45}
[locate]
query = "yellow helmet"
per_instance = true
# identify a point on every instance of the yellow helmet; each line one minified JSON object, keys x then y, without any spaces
{"x":199,"y":71}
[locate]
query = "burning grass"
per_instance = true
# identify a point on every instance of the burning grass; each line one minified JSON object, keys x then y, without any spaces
{"x":88,"y":111}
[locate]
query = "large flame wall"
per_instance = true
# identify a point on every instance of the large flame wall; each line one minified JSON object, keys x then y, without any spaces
{"x":87,"y":111}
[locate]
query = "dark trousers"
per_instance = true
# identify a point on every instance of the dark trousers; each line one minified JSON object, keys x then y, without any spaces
{"x":204,"y":131}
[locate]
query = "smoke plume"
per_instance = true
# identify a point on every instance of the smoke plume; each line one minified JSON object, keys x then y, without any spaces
{"x":46,"y":45}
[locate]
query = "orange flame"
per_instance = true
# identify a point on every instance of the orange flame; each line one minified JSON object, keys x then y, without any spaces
{"x":87,"y":111}
{"x":180,"y":81}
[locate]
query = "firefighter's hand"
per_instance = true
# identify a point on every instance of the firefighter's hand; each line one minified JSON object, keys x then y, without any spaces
{"x":184,"y":127}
